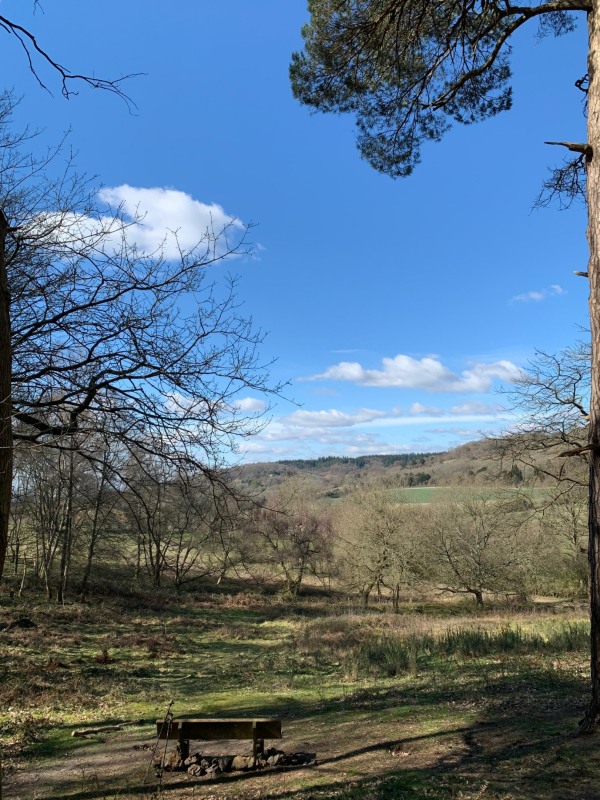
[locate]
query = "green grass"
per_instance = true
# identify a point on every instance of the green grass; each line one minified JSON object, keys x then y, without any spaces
{"x":416,"y":494}
{"x":423,"y":704}
{"x":428,"y":494}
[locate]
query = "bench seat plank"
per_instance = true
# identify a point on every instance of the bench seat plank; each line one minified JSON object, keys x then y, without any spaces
{"x":213,"y":729}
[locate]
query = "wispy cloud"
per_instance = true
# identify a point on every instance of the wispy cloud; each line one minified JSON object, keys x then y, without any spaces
{"x":457,"y":436}
{"x":332,"y":418}
{"x":364,"y":445}
{"x":405,"y":372}
{"x":538,"y":295}
{"x":348,"y":352}
{"x":419,"y":408}
{"x":476,"y":408}
{"x":309,"y":434}
{"x":329,"y":425}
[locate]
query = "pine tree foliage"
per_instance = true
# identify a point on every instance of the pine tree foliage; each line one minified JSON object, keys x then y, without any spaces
{"x":408,"y":69}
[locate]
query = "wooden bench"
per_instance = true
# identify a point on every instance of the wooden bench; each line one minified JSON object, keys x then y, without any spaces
{"x":183,"y":730}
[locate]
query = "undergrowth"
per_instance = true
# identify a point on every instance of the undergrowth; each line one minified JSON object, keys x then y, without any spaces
{"x":354,"y":675}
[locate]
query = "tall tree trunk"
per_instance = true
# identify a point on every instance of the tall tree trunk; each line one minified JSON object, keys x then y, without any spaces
{"x":6,"y":452}
{"x":590,"y":721}
{"x":67,"y":543}
{"x":138,"y":558}
{"x":94,"y":534}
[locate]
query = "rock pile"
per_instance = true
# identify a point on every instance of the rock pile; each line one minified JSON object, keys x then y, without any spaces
{"x":209,"y":766}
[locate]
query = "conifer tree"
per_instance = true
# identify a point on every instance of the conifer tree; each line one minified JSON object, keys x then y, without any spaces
{"x":408,"y":69}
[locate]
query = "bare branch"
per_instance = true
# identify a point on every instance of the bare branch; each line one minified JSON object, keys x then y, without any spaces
{"x":32,"y":48}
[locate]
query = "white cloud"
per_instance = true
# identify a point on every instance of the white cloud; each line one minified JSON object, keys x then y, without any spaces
{"x":255,"y":447}
{"x":419,"y":408}
{"x":538,"y":295}
{"x":157,"y":221}
{"x":250,"y":405}
{"x":475,"y":408}
{"x":171,"y":220}
{"x":331,"y":429}
{"x":181,"y":404}
{"x":332,"y":418}
{"x":405,"y":372}
{"x":309,"y":434}
{"x":341,"y":445}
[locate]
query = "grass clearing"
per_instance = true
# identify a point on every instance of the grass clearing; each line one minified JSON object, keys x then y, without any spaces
{"x":428,"y":494}
{"x":439,"y":701}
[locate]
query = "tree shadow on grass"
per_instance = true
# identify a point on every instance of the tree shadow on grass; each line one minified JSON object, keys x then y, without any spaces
{"x":517,"y":744}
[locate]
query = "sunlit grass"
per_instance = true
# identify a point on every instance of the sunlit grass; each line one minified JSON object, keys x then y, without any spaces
{"x":345,"y":674}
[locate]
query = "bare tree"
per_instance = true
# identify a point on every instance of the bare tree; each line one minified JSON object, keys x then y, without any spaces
{"x":382,"y":544}
{"x":291,"y":536}
{"x":478,"y":546}
{"x":175,"y":520}
{"x":551,"y":404}
{"x":98,"y":489}
{"x":47,"y":481}
{"x":142,"y":347}
{"x":563,"y":520}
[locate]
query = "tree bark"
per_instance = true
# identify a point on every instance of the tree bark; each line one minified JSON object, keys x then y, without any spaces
{"x":6,"y":451}
{"x":95,"y":531}
{"x":67,"y":534}
{"x":478,"y":596}
{"x":590,"y":721}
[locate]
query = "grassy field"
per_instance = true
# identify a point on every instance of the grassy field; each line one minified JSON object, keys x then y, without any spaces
{"x":429,"y":494}
{"x":437,"y":702}
{"x":417,"y":494}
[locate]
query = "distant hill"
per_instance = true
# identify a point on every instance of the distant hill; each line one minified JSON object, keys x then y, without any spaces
{"x":360,"y":462}
{"x":473,"y":464}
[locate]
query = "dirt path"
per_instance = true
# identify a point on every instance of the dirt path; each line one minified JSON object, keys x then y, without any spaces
{"x":102,"y":761}
{"x":369,"y":757}
{"x":119,"y":762}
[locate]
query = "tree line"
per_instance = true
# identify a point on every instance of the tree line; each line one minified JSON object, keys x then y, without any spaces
{"x":79,"y":525}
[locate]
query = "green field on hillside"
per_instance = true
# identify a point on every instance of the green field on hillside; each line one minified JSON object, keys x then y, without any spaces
{"x":429,"y":494}
{"x":417,"y":494}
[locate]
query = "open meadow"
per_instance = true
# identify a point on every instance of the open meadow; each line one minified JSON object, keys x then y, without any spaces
{"x":442,"y":700}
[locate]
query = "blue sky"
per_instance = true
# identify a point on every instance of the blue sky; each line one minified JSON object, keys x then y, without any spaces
{"x":395,"y":309}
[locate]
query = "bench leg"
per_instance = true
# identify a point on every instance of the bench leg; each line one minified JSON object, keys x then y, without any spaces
{"x":184,"y":749}
{"x":258,"y":745}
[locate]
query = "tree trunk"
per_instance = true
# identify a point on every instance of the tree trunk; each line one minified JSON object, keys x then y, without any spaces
{"x":67,"y":544}
{"x":396,"y":598}
{"x":477,"y":594}
{"x":92,"y":543}
{"x":366,"y":593}
{"x":138,"y":559}
{"x":590,"y":721}
{"x":6,"y":452}
{"x":100,"y":499}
